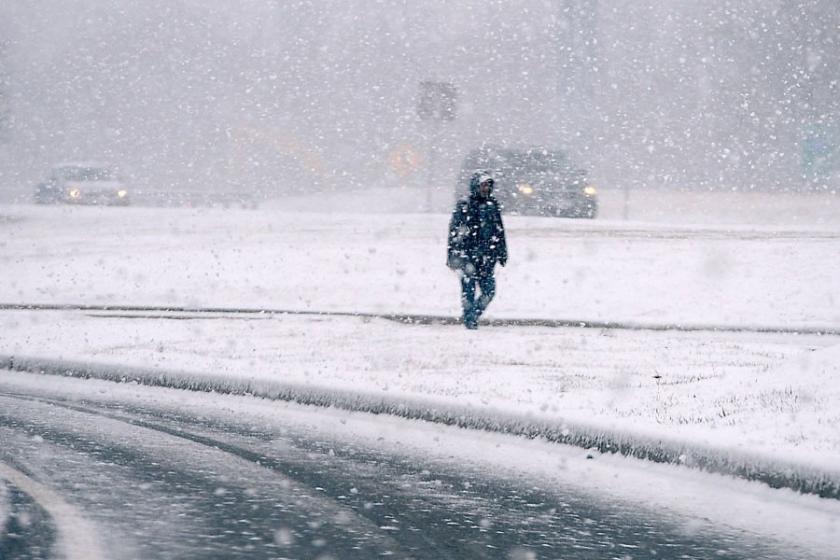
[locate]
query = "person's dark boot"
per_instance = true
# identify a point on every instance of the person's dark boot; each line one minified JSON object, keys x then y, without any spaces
{"x":470,"y":320}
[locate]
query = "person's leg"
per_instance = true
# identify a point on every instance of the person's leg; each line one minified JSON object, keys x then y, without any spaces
{"x":487,"y":284}
{"x":468,"y":299}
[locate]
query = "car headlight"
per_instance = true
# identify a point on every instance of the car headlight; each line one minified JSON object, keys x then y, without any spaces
{"x":590,"y":190}
{"x":122,"y":193}
{"x":525,"y":188}
{"x":74,"y":193}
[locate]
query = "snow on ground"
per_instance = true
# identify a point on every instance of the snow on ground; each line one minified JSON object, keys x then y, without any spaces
{"x":731,"y":207}
{"x":765,"y":394}
{"x":768,"y":394}
{"x":559,"y":269}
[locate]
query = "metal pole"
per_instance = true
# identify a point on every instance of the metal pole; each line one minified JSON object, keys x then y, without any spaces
{"x":626,"y":213}
{"x":433,"y":139}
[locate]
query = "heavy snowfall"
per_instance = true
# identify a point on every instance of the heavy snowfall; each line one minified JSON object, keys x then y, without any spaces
{"x":228,"y":328}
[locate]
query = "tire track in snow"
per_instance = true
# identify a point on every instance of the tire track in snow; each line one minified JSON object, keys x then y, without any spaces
{"x":76,"y":536}
{"x":250,"y":313}
{"x":363,"y":524}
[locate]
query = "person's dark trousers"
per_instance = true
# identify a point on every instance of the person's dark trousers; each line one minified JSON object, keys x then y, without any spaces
{"x":474,"y":307}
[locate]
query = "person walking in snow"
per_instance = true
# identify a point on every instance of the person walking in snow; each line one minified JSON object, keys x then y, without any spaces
{"x":476,"y":243}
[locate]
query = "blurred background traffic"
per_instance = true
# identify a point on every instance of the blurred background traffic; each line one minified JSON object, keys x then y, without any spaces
{"x":192,"y":101}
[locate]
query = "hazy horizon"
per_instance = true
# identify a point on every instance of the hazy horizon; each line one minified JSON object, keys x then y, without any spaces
{"x":281,"y":97}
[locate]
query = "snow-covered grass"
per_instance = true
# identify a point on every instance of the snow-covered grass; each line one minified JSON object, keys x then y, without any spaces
{"x":767,"y":396}
{"x":559,"y":269}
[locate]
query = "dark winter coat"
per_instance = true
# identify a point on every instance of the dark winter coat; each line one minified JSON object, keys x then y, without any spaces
{"x":476,"y":232}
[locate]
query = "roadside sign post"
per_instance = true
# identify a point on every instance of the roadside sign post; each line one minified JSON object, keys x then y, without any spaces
{"x":436,"y":104}
{"x":626,"y":212}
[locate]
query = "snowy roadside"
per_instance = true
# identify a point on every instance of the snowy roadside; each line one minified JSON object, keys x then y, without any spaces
{"x":382,"y":263}
{"x":757,"y":406}
{"x":748,"y":400}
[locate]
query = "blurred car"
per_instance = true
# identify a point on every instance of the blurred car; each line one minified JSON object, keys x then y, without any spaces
{"x":82,"y":183}
{"x":535,"y":181}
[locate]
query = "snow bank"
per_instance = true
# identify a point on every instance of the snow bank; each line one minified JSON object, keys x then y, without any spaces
{"x":777,"y":473}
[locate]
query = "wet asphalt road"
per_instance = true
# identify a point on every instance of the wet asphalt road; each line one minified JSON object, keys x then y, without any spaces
{"x":157,"y":483}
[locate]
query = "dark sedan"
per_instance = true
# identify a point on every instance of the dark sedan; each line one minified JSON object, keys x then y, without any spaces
{"x":535,"y":181}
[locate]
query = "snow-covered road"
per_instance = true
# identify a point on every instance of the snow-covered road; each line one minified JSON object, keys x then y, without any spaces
{"x":160,"y":472}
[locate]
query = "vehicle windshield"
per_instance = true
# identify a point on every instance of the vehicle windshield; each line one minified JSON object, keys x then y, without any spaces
{"x":517,"y":164}
{"x":85,"y":174}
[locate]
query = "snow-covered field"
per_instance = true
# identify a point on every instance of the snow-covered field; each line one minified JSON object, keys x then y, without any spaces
{"x":771,"y":395}
{"x":559,"y":269}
